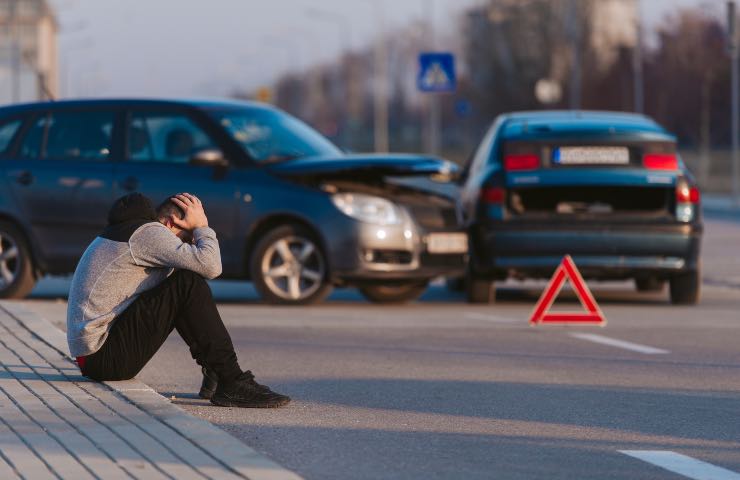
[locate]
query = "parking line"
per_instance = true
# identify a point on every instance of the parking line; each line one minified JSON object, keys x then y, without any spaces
{"x":635,"y":347}
{"x":683,"y":465}
{"x":490,"y":318}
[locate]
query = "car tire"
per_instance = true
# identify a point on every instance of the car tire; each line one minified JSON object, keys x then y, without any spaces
{"x":280,"y":264}
{"x":17,"y":277}
{"x":686,"y":288}
{"x":480,"y":290}
{"x":455,"y":284}
{"x":393,"y":292}
{"x":649,"y":284}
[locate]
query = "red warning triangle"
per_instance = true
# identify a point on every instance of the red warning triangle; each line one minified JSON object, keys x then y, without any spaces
{"x":567,"y":270}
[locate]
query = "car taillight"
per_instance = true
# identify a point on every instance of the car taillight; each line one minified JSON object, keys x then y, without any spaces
{"x":660,"y":161}
{"x":522,"y":161}
{"x":493,"y":195}
{"x":687,"y":199}
{"x":687,"y":194}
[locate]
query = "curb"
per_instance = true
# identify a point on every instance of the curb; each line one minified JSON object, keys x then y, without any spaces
{"x":232,"y":452}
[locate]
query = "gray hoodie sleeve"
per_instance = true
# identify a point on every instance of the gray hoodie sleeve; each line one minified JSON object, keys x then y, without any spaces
{"x":154,"y":245}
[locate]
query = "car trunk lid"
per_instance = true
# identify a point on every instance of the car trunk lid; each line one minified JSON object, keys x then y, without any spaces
{"x":585,"y":179}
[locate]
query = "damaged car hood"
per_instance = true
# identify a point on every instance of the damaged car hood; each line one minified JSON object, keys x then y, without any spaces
{"x":367,"y":166}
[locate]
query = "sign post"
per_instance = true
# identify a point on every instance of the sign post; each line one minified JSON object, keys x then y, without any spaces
{"x":436,"y":75}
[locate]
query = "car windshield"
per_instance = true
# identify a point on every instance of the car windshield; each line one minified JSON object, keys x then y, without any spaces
{"x":269,"y":136}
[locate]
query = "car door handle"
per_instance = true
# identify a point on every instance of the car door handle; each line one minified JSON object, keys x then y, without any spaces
{"x":24,"y":178}
{"x":130,"y":184}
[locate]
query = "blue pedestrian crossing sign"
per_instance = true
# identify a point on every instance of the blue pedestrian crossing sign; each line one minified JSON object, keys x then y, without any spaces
{"x":436,"y":72}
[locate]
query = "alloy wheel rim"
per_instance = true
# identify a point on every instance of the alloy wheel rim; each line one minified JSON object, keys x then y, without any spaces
{"x":293,"y":268}
{"x":10,"y":264}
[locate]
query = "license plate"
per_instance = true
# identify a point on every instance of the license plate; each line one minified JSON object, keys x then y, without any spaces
{"x":447,"y":243}
{"x":591,"y":156}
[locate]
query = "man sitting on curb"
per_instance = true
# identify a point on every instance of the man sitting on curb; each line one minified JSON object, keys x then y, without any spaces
{"x":142,"y":278}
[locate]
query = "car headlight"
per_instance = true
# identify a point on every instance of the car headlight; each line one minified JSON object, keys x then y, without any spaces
{"x":367,"y":208}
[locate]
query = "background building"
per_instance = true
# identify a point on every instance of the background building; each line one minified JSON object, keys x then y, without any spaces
{"x":28,"y":51}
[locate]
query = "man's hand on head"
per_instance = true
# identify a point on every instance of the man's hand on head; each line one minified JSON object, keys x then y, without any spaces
{"x":195,"y":216}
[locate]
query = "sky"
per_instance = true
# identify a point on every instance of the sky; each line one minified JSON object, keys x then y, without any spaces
{"x":210,"y":48}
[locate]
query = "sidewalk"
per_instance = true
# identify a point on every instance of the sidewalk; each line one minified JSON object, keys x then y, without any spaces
{"x":55,"y":423}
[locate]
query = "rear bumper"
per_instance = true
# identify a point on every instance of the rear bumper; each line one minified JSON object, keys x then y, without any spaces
{"x":600,"y":251}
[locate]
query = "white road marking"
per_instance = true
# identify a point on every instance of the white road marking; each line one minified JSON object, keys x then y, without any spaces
{"x":490,"y":318}
{"x":683,"y":465}
{"x":635,"y":347}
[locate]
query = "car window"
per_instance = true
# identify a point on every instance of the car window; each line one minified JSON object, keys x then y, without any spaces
{"x":270,"y":136}
{"x":79,"y":135}
{"x":7,"y":133}
{"x":31,"y":145}
{"x":82,"y":135}
{"x":165,"y":138}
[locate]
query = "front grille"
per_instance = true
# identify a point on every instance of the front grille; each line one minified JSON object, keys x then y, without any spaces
{"x":433,"y":217}
{"x":389,"y":257}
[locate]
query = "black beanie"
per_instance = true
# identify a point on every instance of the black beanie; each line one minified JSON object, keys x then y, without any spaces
{"x":131,"y":207}
{"x":126,"y":215}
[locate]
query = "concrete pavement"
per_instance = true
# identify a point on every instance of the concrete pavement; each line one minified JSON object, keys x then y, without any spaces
{"x":55,"y":423}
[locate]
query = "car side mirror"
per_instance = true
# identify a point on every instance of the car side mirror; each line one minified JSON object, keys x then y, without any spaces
{"x":209,"y":157}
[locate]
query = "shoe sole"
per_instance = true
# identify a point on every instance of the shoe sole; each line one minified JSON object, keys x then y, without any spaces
{"x":225,"y":402}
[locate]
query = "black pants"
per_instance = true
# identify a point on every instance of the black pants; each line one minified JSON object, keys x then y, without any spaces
{"x":182,"y":302}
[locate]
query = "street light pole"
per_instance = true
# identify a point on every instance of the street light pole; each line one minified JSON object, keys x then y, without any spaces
{"x":380,"y":80}
{"x":637,"y":61}
{"x":573,"y":28}
{"x":733,"y":48}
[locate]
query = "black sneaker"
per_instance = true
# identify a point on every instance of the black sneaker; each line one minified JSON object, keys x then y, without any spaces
{"x":245,"y":392}
{"x":210,"y":381}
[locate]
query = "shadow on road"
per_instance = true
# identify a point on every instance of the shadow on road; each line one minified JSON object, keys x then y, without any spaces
{"x":242,"y":293}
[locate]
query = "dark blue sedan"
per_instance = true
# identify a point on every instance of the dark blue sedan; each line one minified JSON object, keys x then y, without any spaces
{"x":607,"y":188}
{"x":292,"y":213}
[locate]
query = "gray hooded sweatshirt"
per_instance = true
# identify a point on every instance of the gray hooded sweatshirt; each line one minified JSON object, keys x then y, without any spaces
{"x":114,"y":271}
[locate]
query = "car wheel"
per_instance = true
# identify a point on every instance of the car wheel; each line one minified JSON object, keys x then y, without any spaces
{"x":686,"y":288}
{"x":289,"y":267}
{"x":480,"y":290}
{"x":16,"y":267}
{"x":649,"y":284}
{"x":455,"y":284}
{"x":394,"y":292}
